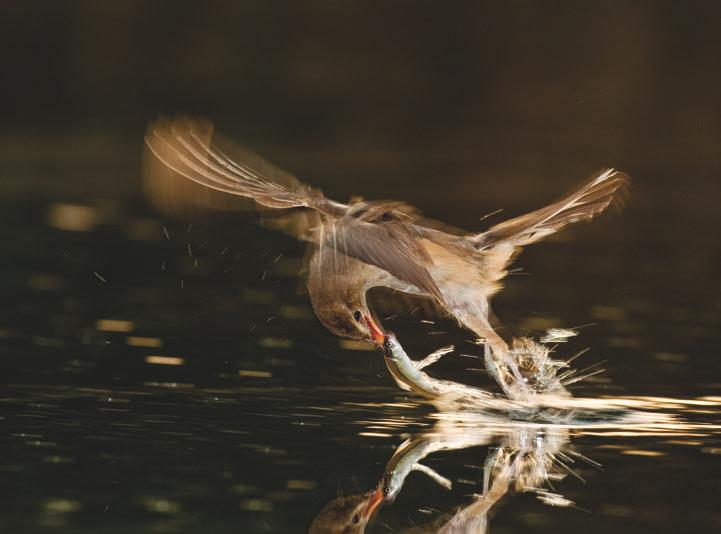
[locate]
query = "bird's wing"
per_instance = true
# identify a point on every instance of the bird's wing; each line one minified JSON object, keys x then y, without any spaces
{"x":581,"y":204}
{"x":390,"y":246}
{"x":189,"y":148}
{"x":376,"y":233}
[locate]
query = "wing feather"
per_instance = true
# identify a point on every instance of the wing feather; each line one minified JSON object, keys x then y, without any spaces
{"x":378,"y":233}
{"x":190,"y":148}
{"x":390,"y":246}
{"x":581,"y":204}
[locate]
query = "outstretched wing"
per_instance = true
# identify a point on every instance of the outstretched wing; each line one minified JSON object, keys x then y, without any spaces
{"x":372,"y":232}
{"x":190,"y":148}
{"x":581,"y":204}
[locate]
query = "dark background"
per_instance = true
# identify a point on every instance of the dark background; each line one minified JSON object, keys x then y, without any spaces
{"x":356,"y":91}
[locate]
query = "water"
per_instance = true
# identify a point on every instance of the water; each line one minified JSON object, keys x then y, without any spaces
{"x":164,"y":377}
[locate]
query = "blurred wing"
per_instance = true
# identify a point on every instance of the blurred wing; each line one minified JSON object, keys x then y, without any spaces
{"x":582,"y":204}
{"x":391,"y":247}
{"x":189,"y":148}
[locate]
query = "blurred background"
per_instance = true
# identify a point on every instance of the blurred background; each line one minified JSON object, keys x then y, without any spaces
{"x":459,"y":108}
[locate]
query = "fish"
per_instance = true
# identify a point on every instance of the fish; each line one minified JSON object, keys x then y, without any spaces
{"x":543,"y":376}
{"x":410,"y":376}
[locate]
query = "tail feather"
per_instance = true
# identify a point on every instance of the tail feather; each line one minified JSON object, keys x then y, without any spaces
{"x":582,"y":204}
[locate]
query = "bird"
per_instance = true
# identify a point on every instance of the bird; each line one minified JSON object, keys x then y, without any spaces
{"x":348,"y":514}
{"x":362,"y":244}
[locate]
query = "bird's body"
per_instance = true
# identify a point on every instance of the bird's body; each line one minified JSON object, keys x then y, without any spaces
{"x":361,"y":245}
{"x":448,"y":269}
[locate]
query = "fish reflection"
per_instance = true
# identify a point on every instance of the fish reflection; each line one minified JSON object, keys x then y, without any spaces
{"x":523,"y":457}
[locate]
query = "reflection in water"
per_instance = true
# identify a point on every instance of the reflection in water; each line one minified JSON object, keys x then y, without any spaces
{"x":347,"y":514}
{"x":170,"y":458}
{"x":522,"y":456}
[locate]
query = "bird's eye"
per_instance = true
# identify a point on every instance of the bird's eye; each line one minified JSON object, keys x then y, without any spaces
{"x":357,"y":315}
{"x":355,"y":519}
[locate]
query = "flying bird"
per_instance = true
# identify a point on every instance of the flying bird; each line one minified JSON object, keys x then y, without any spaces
{"x":364,"y":244}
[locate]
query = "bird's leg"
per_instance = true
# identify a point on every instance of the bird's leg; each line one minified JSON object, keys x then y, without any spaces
{"x":520,"y":381}
{"x":501,"y":365}
{"x":499,"y":361}
{"x":491,"y":460}
{"x":502,"y":370}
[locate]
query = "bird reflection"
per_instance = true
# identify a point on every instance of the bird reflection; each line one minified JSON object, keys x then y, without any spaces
{"x":522,"y":458}
{"x":347,"y":514}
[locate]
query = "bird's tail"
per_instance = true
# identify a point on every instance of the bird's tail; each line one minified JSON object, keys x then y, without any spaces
{"x":581,"y":204}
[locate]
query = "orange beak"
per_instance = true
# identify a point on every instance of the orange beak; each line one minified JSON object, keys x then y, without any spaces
{"x":376,"y":333}
{"x":375,"y":499}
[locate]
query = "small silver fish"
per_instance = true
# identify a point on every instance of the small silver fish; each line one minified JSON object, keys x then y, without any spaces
{"x":409,"y":374}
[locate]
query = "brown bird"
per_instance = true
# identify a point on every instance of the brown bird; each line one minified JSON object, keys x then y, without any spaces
{"x":347,"y":515}
{"x":365,"y":244}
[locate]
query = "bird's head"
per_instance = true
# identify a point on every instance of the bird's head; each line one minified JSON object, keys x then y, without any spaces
{"x":337,"y":288}
{"x":348,"y":514}
{"x":347,"y":316}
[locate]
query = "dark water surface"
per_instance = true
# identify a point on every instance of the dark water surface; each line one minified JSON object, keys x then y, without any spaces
{"x":163,"y":377}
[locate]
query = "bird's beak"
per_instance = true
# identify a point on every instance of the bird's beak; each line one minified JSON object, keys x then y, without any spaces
{"x":376,"y":333}
{"x":374,"y":500}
